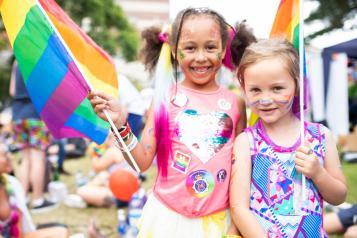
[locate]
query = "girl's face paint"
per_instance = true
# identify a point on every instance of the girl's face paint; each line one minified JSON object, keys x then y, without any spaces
{"x":219,"y":56}
{"x":201,"y":45}
{"x":181,"y":54}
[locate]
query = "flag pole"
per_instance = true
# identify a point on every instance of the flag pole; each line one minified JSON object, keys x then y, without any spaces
{"x":132,"y":160}
{"x":301,"y":86}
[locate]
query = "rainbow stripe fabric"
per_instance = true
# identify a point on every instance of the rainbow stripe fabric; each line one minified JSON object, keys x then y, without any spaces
{"x":56,"y":86}
{"x":286,"y":23}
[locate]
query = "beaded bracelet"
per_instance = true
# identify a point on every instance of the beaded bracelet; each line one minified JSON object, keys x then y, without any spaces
{"x":124,"y":131}
{"x":130,"y":146}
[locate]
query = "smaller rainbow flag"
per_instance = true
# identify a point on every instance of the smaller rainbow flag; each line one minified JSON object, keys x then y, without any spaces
{"x":37,"y":31}
{"x":286,"y":23}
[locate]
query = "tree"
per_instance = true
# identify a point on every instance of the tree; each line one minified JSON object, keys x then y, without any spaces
{"x":334,"y":13}
{"x":108,"y":27}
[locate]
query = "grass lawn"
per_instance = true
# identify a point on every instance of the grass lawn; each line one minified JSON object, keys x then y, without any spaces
{"x":77,"y":219}
{"x":350,"y":171}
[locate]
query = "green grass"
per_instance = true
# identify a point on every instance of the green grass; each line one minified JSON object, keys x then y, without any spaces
{"x":350,"y":171}
{"x":77,"y":219}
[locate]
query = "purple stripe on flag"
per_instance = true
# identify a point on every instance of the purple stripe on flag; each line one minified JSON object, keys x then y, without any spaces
{"x":68,"y":132}
{"x":64,"y":100}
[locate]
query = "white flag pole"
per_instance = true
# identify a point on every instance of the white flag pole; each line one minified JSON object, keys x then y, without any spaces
{"x":301,"y":86}
{"x":132,"y":160}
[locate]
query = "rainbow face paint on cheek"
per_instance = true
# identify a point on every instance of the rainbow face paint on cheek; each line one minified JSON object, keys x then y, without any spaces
{"x":181,"y":54}
{"x":263,"y":101}
{"x":284,"y":99}
{"x":219,"y":55}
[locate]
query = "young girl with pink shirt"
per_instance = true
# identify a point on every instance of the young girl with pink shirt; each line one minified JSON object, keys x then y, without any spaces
{"x":190,"y":129}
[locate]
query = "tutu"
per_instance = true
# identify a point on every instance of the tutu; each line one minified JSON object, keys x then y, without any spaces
{"x":158,"y":221}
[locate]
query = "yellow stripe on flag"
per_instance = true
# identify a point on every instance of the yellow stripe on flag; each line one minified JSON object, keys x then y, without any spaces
{"x":14,"y":13}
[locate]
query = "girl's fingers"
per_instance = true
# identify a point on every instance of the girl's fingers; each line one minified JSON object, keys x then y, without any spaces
{"x":103,"y":95}
{"x":299,"y":168}
{"x":299,"y":162}
{"x":98,"y":101}
{"x":99,"y":108}
{"x":301,"y":155}
{"x":305,"y":150}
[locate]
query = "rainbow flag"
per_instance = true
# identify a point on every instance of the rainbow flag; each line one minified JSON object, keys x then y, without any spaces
{"x":286,"y":23}
{"x":49,"y":48}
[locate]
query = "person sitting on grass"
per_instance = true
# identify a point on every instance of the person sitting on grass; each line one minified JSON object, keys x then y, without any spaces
{"x":106,"y":158}
{"x":344,"y":221}
{"x":15,"y":219}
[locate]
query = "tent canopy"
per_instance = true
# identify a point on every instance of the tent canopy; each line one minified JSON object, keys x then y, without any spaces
{"x":348,"y":47}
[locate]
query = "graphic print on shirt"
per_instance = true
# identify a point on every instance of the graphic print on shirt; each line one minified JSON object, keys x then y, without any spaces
{"x":181,"y":162}
{"x":276,"y":186}
{"x":204,"y":134}
{"x":200,"y":183}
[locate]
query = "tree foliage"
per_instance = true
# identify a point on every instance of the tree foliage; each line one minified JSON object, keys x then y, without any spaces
{"x":335,"y":13}
{"x":109,"y":26}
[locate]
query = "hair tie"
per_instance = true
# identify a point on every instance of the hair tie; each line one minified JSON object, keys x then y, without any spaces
{"x":164,"y":34}
{"x":164,"y":37}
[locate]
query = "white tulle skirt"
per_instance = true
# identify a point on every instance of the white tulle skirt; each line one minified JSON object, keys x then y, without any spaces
{"x":158,"y":221}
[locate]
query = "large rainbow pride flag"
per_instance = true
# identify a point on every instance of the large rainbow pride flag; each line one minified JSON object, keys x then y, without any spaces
{"x":59,"y":64}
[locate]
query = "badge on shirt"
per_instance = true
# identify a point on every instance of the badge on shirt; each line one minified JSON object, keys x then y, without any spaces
{"x":200,"y":183}
{"x":179,"y":99}
{"x":224,"y":104}
{"x":221,"y":175}
{"x":181,"y":162}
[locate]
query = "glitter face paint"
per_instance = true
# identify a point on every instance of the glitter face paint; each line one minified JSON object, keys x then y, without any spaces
{"x":281,"y":100}
{"x":181,"y":54}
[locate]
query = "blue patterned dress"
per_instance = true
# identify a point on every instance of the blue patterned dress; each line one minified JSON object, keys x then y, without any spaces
{"x":275,"y":194}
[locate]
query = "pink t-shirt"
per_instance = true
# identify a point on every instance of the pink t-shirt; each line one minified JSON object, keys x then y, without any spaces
{"x":202,"y":129}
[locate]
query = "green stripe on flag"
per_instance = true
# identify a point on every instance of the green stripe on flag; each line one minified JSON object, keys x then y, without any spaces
{"x":32,"y":40}
{"x":295,"y":39}
{"x":85,"y":110}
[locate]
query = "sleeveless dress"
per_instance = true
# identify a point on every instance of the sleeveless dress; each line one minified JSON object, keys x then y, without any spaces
{"x":192,"y":201}
{"x":275,"y":195}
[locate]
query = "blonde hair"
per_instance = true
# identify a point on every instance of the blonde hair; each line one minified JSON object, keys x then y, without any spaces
{"x":267,"y":49}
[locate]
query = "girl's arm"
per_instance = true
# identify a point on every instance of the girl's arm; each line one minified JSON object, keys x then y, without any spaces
{"x":242,"y":123}
{"x":328,"y":179}
{"x":239,"y":195}
{"x":145,"y":150}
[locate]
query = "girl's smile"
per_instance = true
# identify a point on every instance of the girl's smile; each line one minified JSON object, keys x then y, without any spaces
{"x":200,"y":52}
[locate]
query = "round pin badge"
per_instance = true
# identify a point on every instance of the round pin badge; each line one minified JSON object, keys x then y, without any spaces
{"x":224,"y":104}
{"x":221,"y":175}
{"x":200,"y":183}
{"x":179,"y":99}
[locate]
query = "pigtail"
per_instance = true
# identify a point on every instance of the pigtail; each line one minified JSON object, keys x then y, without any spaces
{"x":164,"y":80}
{"x":243,"y":38}
{"x":227,"y":60}
{"x":150,"y":52}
